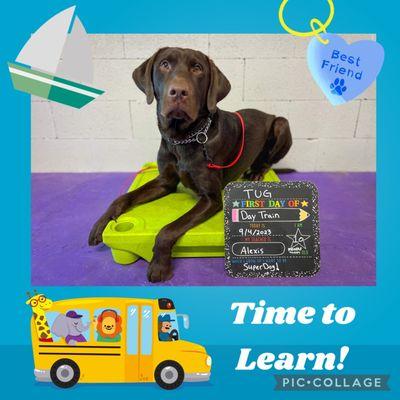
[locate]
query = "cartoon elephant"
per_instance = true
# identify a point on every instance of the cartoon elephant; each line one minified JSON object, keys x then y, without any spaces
{"x":70,"y":327}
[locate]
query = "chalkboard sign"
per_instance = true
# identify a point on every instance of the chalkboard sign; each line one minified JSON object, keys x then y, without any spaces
{"x":271,"y":229}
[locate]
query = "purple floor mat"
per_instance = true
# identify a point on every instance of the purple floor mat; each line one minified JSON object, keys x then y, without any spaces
{"x":64,"y":207}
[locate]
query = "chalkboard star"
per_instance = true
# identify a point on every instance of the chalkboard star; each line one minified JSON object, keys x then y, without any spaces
{"x":298,"y":239}
{"x":304,"y":203}
{"x":235,"y":204}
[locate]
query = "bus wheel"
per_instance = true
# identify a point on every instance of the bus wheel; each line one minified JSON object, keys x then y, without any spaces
{"x":169,"y":375}
{"x":65,"y":373}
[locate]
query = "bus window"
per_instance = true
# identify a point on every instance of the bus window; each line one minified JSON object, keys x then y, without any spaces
{"x":167,"y":326}
{"x":108,"y":326}
{"x":147,"y":330}
{"x":73,"y":326}
{"x":51,"y":316}
{"x":132,"y":336}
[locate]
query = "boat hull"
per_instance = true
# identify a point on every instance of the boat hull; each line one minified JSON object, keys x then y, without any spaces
{"x":51,"y":87}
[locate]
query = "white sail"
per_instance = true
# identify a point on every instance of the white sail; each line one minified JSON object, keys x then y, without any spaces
{"x":43,"y":50}
{"x":76,"y":63}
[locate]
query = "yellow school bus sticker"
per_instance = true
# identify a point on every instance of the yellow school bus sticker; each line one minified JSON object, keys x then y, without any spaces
{"x":111,"y":340}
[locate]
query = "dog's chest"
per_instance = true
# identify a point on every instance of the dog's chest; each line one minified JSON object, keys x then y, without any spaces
{"x":187,"y":180}
{"x":189,"y":163}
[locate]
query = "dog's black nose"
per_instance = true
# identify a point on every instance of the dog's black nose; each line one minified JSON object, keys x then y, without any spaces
{"x":178,"y":92}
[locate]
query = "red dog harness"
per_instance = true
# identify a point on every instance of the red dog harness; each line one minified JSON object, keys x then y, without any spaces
{"x":240,"y":152}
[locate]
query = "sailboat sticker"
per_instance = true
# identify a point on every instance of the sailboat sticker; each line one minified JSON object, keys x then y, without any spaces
{"x":56,"y":62}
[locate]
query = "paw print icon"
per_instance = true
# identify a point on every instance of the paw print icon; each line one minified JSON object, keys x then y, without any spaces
{"x":338,"y":87}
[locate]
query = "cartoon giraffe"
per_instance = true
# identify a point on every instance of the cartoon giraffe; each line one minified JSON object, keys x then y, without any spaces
{"x":39,"y":304}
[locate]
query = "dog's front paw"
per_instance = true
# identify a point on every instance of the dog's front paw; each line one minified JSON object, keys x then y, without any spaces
{"x":159,"y":272}
{"x":255,"y":175}
{"x":96,"y":234}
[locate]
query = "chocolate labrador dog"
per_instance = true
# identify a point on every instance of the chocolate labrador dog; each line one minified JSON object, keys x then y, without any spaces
{"x":201,"y":146}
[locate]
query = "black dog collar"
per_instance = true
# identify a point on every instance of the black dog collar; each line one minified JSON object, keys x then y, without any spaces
{"x":199,"y":136}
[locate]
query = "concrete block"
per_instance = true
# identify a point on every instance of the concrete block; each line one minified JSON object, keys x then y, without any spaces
{"x":115,"y":77}
{"x":69,"y":155}
{"x":346,"y":155}
{"x":42,"y":125}
{"x":302,"y":156}
{"x":319,"y":119}
{"x":107,"y":46}
{"x":99,"y":119}
{"x":366,"y":127}
{"x":145,"y":45}
{"x":234,"y":71}
{"x":279,"y":79}
{"x":278,"y":108}
{"x":251,"y":46}
{"x":144,"y":121}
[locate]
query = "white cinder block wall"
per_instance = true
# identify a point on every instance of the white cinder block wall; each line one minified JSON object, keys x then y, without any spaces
{"x":118,"y":131}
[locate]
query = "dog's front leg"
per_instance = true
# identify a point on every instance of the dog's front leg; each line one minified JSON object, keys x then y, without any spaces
{"x":158,"y":187}
{"x":160,"y":268}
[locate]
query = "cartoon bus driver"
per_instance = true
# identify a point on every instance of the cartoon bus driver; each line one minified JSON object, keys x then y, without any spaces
{"x":164,"y":326}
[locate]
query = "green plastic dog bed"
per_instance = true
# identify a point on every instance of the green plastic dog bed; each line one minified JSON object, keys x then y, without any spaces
{"x":132,"y":236}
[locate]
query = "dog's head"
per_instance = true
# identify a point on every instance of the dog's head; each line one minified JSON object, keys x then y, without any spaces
{"x":185,"y":83}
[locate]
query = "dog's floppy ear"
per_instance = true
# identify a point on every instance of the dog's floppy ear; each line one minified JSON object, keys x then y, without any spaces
{"x":142,"y":76}
{"x":218,"y":89}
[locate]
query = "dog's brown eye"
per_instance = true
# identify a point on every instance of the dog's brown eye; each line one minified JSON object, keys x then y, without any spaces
{"x":197,"y":67}
{"x":164,"y":64}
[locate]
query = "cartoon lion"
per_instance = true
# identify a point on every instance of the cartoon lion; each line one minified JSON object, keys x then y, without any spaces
{"x":109,"y":326}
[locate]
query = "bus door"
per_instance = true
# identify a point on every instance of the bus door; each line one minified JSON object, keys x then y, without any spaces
{"x":146,"y":371}
{"x":132,"y":344}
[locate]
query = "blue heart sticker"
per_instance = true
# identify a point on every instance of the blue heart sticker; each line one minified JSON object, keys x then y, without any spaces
{"x":343,"y":71}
